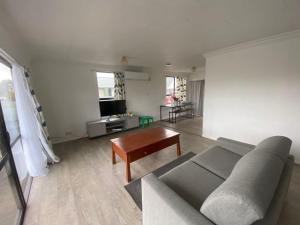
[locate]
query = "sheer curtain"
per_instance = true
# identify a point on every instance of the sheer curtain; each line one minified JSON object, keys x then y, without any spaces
{"x":36,"y":161}
{"x":43,"y":130}
{"x":195,"y":94}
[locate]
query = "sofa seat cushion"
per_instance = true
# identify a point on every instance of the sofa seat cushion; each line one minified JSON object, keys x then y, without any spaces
{"x":218,"y":160}
{"x":191,"y":182}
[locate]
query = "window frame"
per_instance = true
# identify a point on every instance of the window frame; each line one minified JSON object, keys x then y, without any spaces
{"x":5,"y":62}
{"x":174,"y":88}
{"x":104,"y":98}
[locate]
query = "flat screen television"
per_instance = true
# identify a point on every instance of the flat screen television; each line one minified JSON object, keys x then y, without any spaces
{"x":112,"y":107}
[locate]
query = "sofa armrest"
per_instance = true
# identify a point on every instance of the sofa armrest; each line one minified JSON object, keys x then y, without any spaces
{"x":237,"y":147}
{"x":162,"y":206}
{"x":273,"y":213}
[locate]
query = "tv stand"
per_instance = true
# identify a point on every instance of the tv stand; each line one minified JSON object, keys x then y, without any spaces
{"x":111,"y":125}
{"x":111,"y":119}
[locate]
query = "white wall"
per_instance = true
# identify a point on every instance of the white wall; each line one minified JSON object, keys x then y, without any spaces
{"x":68,"y":93}
{"x":11,"y":44}
{"x":144,"y":97}
{"x":253,"y":91}
{"x":199,"y":74}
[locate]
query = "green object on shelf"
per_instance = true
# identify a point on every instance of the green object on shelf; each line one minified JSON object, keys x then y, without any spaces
{"x":143,"y":119}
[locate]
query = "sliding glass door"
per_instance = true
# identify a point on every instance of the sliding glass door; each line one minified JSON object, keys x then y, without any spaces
{"x":14,"y":178}
{"x":12,"y":202}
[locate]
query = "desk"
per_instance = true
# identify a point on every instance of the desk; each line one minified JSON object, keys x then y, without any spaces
{"x":175,"y":109}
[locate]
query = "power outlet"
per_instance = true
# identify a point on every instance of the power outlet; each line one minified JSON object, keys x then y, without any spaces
{"x":68,"y":133}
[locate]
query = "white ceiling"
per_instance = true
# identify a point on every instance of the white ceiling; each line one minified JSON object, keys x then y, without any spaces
{"x":150,"y":32}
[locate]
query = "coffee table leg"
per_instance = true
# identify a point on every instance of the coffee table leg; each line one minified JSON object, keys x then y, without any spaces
{"x":178,"y":148}
{"x":127,"y":169}
{"x":113,"y":156}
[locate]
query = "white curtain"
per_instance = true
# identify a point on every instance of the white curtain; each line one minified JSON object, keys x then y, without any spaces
{"x":43,"y":130}
{"x":195,"y":94}
{"x":36,"y":160}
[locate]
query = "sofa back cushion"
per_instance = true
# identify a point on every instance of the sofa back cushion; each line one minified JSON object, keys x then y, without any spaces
{"x":246,"y":194}
{"x":276,"y":145}
{"x":237,"y":147}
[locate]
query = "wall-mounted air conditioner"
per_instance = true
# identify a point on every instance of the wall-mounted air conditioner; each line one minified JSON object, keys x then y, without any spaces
{"x":129,"y":75}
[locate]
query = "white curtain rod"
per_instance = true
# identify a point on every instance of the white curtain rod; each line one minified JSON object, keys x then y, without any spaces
{"x":7,"y":57}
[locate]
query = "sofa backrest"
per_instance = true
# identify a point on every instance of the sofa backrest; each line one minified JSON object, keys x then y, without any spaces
{"x":276,"y":145}
{"x":237,"y":147}
{"x":246,"y":194}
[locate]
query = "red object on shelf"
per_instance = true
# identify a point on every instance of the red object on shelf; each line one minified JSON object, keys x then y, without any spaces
{"x":169,"y":100}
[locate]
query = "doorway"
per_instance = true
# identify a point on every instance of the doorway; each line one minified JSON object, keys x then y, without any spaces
{"x":195,"y":94}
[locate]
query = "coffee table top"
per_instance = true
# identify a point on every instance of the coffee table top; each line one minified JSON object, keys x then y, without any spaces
{"x":132,"y":142}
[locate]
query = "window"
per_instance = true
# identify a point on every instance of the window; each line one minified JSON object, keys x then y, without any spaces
{"x":9,"y":110}
{"x":170,"y":90}
{"x":170,"y":86}
{"x":106,"y":85}
{"x":8,"y":102}
{"x":13,"y":172}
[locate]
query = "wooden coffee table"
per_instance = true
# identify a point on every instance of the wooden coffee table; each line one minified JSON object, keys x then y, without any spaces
{"x":135,"y":146}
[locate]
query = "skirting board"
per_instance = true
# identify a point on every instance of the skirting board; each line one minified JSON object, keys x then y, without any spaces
{"x":66,"y":139}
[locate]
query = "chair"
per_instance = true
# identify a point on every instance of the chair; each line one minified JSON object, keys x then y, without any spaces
{"x":143,"y":119}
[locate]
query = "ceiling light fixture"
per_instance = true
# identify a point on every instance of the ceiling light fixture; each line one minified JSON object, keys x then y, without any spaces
{"x":168,"y":64}
{"x":124,"y":60}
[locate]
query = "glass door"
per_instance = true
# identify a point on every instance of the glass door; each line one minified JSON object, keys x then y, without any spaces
{"x":9,"y":109}
{"x":12,"y":202}
{"x":14,"y":178}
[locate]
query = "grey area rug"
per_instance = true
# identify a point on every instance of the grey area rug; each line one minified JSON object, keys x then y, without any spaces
{"x":134,"y":188}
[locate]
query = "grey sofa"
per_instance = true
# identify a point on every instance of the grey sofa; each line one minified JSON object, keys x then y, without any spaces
{"x":231,"y":183}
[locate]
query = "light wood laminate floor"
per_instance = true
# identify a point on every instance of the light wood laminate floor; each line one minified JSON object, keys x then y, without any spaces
{"x":85,"y":188}
{"x":183,"y":124}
